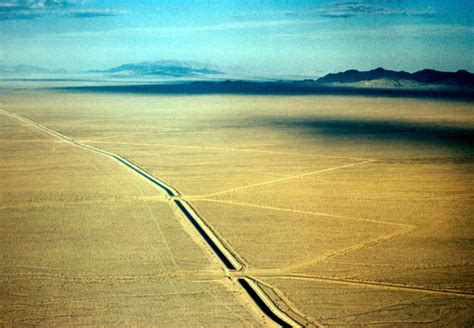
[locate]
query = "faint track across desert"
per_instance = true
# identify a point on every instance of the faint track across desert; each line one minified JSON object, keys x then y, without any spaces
{"x":335,"y":168}
{"x":404,"y":229}
{"x":343,"y":217}
{"x":245,"y":150}
{"x":373,"y":284}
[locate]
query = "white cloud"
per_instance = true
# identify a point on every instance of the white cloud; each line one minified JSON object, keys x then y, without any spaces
{"x":31,"y":9}
{"x":406,"y":31}
{"x":354,"y":8}
{"x":173,"y":31}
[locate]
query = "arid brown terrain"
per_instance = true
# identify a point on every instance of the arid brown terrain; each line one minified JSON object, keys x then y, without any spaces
{"x":345,"y":211}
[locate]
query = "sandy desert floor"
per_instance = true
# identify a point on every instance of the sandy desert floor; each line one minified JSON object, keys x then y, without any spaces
{"x":345,"y":211}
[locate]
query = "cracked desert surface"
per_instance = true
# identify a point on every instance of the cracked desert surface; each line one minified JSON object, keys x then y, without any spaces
{"x":345,"y":211}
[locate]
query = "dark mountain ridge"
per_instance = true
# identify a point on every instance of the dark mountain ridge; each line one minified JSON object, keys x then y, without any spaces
{"x":427,"y":76}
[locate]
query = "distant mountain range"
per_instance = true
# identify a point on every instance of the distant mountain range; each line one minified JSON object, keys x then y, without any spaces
{"x":382,"y":78}
{"x":164,"y":68}
{"x":377,"y":78}
{"x":172,"y":70}
{"x":159,"y":69}
{"x":28,"y":69}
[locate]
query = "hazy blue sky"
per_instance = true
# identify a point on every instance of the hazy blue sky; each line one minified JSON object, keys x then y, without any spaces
{"x":266,"y":37}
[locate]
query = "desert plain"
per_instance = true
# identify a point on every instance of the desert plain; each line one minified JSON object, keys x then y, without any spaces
{"x":344,"y":210}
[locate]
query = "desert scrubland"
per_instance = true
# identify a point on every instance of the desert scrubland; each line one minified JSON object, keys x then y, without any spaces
{"x":345,"y":210}
{"x":82,"y":245}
